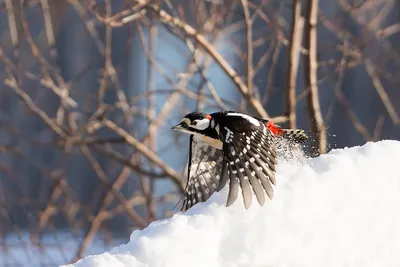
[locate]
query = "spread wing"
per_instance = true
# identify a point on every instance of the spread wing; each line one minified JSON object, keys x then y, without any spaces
{"x":205,"y":164}
{"x":249,"y":160}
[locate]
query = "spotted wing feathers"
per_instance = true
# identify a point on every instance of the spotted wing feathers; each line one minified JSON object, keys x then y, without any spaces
{"x":204,"y":172}
{"x":249,"y":161}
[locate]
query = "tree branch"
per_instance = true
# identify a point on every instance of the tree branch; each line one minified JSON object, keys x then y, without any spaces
{"x":293,"y":62}
{"x":176,"y":178}
{"x":310,"y":79}
{"x":226,"y":67}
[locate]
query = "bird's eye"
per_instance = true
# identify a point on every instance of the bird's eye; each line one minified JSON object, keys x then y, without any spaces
{"x":194,"y":122}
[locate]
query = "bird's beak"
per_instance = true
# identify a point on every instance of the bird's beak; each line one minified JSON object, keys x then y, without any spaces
{"x":178,"y":127}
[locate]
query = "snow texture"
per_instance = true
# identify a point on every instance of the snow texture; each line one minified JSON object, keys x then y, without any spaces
{"x":340,"y":209}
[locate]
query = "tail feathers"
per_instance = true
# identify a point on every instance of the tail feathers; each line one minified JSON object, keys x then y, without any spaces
{"x":294,"y":135}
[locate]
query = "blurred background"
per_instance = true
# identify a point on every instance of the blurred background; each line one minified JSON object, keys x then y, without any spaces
{"x":90,"y":89}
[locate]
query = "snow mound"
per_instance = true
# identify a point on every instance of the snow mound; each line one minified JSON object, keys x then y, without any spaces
{"x":340,"y":209}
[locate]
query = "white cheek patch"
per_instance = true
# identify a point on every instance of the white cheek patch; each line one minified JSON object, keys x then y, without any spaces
{"x":201,"y":124}
{"x":246,"y":117}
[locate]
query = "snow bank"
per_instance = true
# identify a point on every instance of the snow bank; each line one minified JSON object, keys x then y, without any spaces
{"x":340,"y":209}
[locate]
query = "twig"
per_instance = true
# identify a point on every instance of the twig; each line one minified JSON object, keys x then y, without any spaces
{"x":63,"y":91}
{"x":90,"y":26}
{"x":132,"y":14}
{"x":358,"y":126}
{"x":128,"y":163}
{"x":202,"y":71}
{"x":381,"y":91}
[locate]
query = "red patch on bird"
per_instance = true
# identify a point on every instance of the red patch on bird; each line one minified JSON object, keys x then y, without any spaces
{"x":274,"y":128}
{"x":208,"y":116}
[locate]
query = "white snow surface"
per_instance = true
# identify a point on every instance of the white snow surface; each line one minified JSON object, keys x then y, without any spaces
{"x":340,"y":209}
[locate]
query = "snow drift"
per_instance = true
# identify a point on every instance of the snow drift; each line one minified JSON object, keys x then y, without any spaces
{"x":340,"y":209}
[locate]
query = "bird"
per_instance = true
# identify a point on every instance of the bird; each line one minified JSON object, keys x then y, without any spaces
{"x":232,"y":146}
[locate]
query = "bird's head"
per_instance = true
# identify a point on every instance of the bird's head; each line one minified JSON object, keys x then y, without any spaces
{"x":195,"y":123}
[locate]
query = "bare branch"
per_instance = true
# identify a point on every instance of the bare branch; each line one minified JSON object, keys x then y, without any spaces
{"x":176,"y":178}
{"x":378,"y":128}
{"x":12,"y":22}
{"x":250,"y":49}
{"x":12,"y":83}
{"x":190,"y":31}
{"x":293,"y":62}
{"x":111,"y":193}
{"x":381,"y":92}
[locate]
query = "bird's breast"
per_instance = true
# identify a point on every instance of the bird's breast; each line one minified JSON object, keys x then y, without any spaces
{"x":210,"y":141}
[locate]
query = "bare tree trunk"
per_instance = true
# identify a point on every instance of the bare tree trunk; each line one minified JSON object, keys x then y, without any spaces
{"x":310,"y":79}
{"x":293,"y":61}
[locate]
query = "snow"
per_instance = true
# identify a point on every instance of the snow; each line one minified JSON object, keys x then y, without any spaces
{"x":340,"y":209}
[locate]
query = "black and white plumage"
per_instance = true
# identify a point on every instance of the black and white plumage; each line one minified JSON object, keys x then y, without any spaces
{"x":204,"y":171}
{"x":235,"y":147}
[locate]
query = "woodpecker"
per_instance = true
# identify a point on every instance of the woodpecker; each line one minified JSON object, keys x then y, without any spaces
{"x":229,"y":145}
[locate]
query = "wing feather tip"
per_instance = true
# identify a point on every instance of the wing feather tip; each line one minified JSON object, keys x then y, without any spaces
{"x":247,"y":204}
{"x":231,"y":199}
{"x":247,"y":198}
{"x":273,"y":180}
{"x":261,"y":202}
{"x":220,"y":187}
